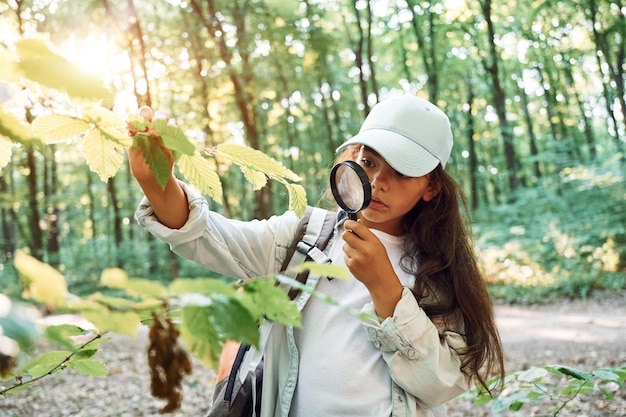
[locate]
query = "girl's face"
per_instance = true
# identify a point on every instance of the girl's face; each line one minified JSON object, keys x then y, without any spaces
{"x":393,"y":194}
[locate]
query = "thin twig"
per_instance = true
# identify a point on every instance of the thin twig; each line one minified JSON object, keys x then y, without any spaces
{"x":21,"y":382}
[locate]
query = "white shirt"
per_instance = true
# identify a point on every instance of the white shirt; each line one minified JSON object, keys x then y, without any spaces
{"x":341,"y":372}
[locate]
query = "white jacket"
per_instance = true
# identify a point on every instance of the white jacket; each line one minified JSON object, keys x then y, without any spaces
{"x":422,"y":358}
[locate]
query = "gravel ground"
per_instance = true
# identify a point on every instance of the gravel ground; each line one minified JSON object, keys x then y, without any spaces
{"x":584,"y":335}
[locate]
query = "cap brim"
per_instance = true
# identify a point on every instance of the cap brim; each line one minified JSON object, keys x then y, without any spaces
{"x":404,"y":155}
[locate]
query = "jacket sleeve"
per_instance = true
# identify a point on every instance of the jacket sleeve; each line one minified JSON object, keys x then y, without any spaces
{"x":230,"y":247}
{"x":422,"y":359}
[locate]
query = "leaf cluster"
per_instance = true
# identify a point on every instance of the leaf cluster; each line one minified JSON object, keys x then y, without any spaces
{"x":558,"y":385}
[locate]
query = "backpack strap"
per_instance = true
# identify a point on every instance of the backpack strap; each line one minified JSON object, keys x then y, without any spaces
{"x":314,"y":232}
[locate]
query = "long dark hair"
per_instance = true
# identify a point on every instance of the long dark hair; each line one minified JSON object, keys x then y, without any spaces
{"x":449,"y":284}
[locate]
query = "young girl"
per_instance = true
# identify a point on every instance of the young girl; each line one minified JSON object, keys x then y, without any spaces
{"x":431,"y":330}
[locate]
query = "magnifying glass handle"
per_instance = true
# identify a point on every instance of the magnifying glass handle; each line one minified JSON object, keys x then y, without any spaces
{"x":352,"y":216}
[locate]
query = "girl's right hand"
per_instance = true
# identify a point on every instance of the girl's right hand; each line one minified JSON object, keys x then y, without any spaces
{"x":170,"y":202}
{"x":138,"y":165}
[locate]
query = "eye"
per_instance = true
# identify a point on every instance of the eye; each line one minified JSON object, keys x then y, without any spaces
{"x":367,"y":162}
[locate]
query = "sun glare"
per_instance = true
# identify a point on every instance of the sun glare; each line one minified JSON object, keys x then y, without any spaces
{"x":99,"y":55}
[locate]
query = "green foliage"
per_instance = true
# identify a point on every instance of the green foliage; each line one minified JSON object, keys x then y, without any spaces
{"x":548,"y":245}
{"x":38,"y":63}
{"x":78,"y":357}
{"x":210,"y":312}
{"x":553,"y":386}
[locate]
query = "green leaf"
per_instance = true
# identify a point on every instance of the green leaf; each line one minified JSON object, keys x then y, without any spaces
{"x":269,"y":300}
{"x":201,"y":174}
{"x":103,"y":156}
{"x":607,"y":375}
{"x":102,"y":117}
{"x":324,"y":270}
{"x":137,"y":287}
{"x":297,"y":199}
{"x":254,"y":177}
{"x":574,"y":373}
{"x":45,"y":363}
{"x":114,"y":278}
{"x":578,"y":387}
{"x":12,"y":128}
{"x":251,"y":158}
{"x":532,"y":374}
{"x":62,"y":334}
{"x":41,"y":65}
{"x":54,"y":128}
{"x":232,"y":320}
{"x":42,"y":282}
{"x":120,"y":322}
{"x":173,"y":138}
{"x":155,"y":158}
{"x":199,"y":335}
{"x":89,"y":367}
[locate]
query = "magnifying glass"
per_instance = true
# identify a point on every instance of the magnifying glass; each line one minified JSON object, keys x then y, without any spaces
{"x":350,"y":187}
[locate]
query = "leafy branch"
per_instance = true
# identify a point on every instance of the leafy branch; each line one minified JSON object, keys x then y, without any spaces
{"x":537,"y":384}
{"x":48,"y":363}
{"x":104,"y":136}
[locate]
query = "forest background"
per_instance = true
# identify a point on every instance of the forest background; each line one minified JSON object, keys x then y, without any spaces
{"x":534,"y":89}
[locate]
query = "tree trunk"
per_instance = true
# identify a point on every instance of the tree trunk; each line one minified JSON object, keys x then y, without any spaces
{"x":36,"y":245}
{"x":52,"y":211}
{"x":491,"y":65}
{"x":427,"y":48}
{"x":471,"y":146}
{"x":243,"y":99}
{"x":117,"y":221}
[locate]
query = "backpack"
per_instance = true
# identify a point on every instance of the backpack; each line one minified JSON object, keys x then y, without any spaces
{"x":231,"y":397}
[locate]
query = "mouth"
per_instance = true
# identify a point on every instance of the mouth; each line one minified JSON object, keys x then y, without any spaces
{"x":375,"y":202}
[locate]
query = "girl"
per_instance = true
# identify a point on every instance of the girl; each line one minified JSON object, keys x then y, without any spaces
{"x":431,"y":329}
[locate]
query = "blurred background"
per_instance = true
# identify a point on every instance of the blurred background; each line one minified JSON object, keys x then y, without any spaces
{"x":534,"y":89}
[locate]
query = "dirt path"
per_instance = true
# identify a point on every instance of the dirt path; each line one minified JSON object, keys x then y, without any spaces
{"x":585,"y":335}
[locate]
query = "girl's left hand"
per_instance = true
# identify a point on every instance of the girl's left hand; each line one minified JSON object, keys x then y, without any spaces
{"x":367,"y":259}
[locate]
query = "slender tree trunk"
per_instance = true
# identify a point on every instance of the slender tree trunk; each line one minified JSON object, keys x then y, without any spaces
{"x":8,"y":219}
{"x":491,"y":64}
{"x":424,"y":29}
{"x":52,"y":211}
{"x":532,"y":139}
{"x":600,"y":42}
{"x":471,"y":146}
{"x":370,"y":52}
{"x":117,"y":220}
{"x":357,"y":48}
{"x":36,"y":246}
{"x":587,"y":124}
{"x":243,"y":99}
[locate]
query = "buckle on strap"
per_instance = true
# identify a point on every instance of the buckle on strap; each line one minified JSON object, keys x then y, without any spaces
{"x":312,"y":252}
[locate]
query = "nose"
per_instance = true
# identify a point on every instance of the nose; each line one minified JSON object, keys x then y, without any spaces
{"x":380,"y":179}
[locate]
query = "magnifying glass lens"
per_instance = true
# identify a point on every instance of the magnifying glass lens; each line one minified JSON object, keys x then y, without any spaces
{"x":351,"y":187}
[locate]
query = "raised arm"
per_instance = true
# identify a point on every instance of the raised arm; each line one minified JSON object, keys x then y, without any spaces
{"x":169,"y":203}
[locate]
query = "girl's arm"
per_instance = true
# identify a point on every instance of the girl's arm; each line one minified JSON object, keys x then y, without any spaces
{"x":170,"y":203}
{"x":423,"y":360}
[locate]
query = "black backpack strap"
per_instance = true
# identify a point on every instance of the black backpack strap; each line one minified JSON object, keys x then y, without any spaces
{"x":243,"y":348}
{"x":314,"y":233}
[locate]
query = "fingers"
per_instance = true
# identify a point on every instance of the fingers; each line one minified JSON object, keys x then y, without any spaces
{"x":148,"y":114}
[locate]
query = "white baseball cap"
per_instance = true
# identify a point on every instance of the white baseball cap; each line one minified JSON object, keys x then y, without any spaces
{"x":410,"y":133}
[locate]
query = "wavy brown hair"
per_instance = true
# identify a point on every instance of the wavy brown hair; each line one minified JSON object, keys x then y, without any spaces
{"x":449,"y":284}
